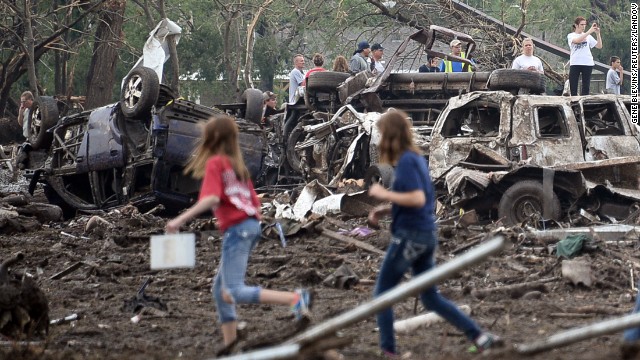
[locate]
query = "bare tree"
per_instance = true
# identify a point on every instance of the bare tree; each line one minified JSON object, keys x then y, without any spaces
{"x":15,"y":38}
{"x":107,"y":43}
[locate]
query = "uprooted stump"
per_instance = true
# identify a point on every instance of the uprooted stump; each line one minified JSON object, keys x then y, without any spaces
{"x":24,"y":309}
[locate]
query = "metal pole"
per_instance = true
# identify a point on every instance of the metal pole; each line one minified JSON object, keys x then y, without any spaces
{"x":401,"y":292}
{"x":575,"y":335}
{"x":414,"y":286}
{"x":286,"y":351}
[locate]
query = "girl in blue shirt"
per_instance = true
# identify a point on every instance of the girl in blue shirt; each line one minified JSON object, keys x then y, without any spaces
{"x":413,"y":231}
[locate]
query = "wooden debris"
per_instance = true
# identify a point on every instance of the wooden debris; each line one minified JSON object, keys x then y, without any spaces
{"x":475,"y":240}
{"x":67,"y":271}
{"x":361,"y":244}
{"x":515,"y":290}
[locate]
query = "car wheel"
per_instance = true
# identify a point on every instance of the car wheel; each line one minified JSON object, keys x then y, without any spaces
{"x":43,"y":116}
{"x":378,"y":174}
{"x":140,"y":92}
{"x":523,"y":200}
{"x":254,"y":105}
{"x":512,"y":79}
{"x":325,"y":81}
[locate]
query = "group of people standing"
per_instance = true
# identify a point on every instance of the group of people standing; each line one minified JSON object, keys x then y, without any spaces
{"x":364,"y":58}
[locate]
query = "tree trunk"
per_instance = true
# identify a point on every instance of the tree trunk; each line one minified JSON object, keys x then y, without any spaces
{"x":230,"y":53}
{"x":108,"y":40}
{"x":29,"y":42}
{"x":248,"y":65}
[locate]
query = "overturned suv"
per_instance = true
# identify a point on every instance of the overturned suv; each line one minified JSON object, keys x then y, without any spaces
{"x":134,"y":150}
{"x":526,"y":157}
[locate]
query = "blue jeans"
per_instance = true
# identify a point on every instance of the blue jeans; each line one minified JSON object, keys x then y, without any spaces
{"x":237,"y":244}
{"x":633,"y":334}
{"x":415,"y":250}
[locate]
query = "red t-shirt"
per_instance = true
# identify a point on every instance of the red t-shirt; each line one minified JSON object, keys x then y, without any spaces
{"x":238,"y":200}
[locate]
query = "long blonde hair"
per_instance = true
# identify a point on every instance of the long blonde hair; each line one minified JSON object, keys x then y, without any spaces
{"x":219,"y":137}
{"x":396,"y":136}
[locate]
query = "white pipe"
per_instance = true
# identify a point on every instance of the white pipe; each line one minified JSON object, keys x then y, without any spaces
{"x":574,"y":335}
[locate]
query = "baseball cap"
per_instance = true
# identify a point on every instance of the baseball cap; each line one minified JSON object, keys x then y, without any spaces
{"x":376,"y":46}
{"x":268,"y":95}
{"x":455,"y":42}
{"x":363,"y":45}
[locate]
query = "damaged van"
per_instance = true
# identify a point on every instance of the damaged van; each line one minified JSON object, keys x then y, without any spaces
{"x":529,"y":157}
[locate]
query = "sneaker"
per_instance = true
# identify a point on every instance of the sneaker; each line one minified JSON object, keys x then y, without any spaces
{"x":303,"y":306}
{"x":485,"y":342}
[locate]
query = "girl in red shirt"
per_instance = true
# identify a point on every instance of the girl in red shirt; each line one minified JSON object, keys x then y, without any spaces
{"x":227,"y":190}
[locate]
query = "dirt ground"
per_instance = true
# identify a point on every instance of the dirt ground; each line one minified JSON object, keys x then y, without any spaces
{"x":115,"y":263}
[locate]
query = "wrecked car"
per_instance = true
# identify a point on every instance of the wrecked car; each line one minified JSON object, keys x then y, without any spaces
{"x":524,"y":157}
{"x":135,"y":150}
{"x":103,"y":157}
{"x":421,"y":95}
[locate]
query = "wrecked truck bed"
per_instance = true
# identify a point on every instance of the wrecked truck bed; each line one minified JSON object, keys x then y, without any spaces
{"x":517,"y":157}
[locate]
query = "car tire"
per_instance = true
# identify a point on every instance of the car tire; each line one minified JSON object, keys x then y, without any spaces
{"x":379,"y":174}
{"x":523,"y":197}
{"x":140,"y":92}
{"x":254,"y":105}
{"x":512,"y":79}
{"x":325,"y":81}
{"x":42,"y":117}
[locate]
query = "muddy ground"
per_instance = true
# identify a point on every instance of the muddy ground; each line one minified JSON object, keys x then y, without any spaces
{"x":115,"y":263}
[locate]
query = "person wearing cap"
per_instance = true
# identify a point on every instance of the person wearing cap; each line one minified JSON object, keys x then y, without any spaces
{"x":377,"y":51}
{"x":527,"y":61}
{"x":269,"y":106}
{"x":318,"y":61}
{"x":358,"y":61}
{"x":431,"y":65}
{"x":454,"y":66}
{"x":296,"y":77}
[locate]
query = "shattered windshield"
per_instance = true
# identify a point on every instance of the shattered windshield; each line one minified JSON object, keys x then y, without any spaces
{"x":477,"y":119}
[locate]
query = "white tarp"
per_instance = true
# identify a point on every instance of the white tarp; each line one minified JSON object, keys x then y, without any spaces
{"x":156,"y":50}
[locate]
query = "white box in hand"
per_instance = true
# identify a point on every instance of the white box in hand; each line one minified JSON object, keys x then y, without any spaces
{"x":171,"y":251}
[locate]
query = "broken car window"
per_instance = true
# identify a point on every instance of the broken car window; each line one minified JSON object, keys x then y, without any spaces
{"x":551,"y":122}
{"x":602,"y":119}
{"x":477,"y":119}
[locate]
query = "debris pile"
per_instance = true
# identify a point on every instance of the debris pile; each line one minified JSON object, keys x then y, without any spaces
{"x":24,"y":309}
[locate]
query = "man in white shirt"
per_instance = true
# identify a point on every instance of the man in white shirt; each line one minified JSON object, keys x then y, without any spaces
{"x":377,"y":51}
{"x":527,"y":61}
{"x":296,"y":77}
{"x":614,"y":76}
{"x":26,"y":102}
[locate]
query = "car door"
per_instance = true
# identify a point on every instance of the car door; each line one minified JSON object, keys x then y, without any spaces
{"x":608,"y":130}
{"x":544,"y":131}
{"x":471,"y":121}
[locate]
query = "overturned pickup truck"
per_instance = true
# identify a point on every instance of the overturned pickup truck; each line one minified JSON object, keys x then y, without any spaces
{"x":529,"y":158}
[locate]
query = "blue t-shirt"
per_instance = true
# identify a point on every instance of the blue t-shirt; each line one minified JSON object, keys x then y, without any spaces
{"x":412,"y":173}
